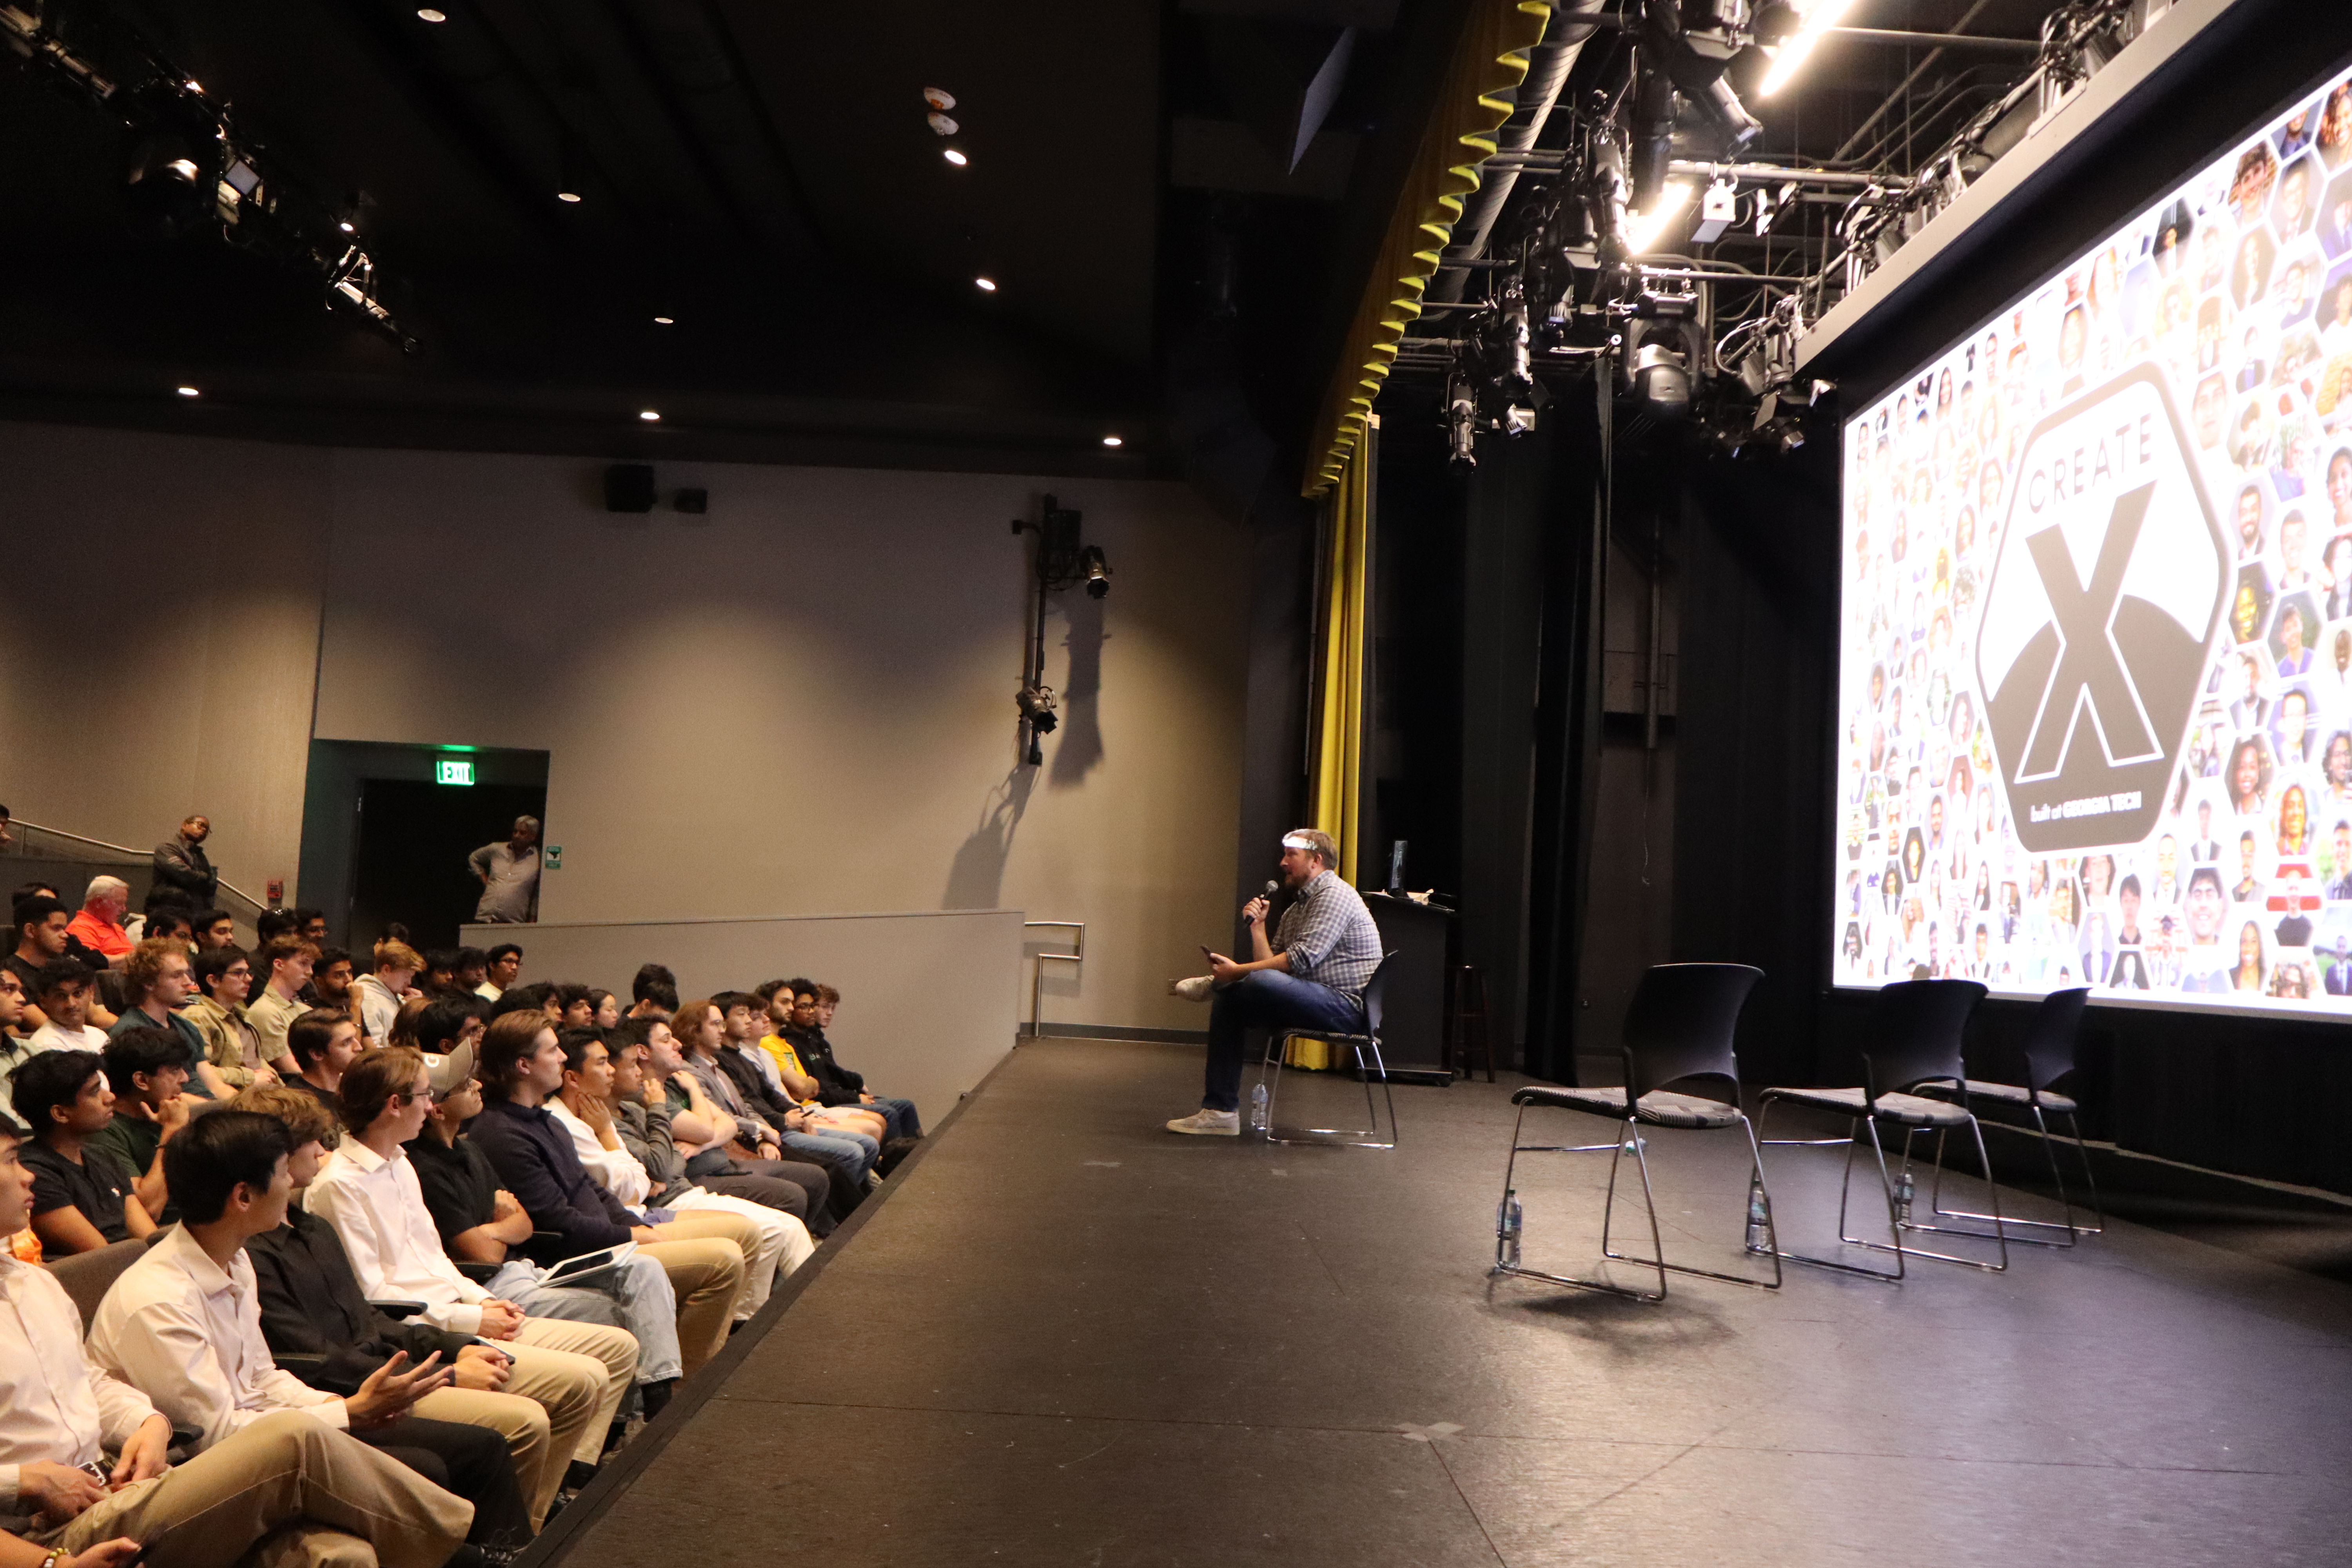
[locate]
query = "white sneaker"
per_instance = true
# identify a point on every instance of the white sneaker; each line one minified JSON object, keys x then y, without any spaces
{"x":1193,"y":990}
{"x":1209,"y":1124}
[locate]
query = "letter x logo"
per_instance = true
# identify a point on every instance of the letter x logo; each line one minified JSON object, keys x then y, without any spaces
{"x":2088,"y":673}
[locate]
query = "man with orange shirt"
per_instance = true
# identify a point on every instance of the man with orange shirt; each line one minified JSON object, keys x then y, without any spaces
{"x":100,"y":925}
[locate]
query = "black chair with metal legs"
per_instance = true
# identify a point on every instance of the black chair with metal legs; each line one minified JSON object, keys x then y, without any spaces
{"x":1678,"y":1030}
{"x":2050,"y":1046}
{"x":1277,"y":1048}
{"x":1915,"y":1039}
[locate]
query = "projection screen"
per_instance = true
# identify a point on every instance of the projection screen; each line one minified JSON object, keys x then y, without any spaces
{"x":2094,"y":686}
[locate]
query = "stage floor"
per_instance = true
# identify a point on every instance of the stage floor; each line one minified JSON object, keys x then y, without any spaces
{"x":1068,"y":1337}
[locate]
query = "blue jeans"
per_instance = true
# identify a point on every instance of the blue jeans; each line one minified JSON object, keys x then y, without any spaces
{"x":1278,"y":1001}
{"x":898,"y":1113}
{"x":854,"y":1151}
{"x":637,"y":1294}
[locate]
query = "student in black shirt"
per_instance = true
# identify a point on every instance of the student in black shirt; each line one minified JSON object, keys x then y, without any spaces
{"x":82,"y":1194}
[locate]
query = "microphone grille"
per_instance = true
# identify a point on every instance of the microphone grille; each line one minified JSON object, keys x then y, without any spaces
{"x":1272,"y":887}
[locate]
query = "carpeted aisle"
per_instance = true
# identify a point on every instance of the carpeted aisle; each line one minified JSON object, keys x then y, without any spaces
{"x":1067,"y":1337}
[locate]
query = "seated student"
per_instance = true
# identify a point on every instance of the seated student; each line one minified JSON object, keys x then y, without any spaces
{"x":813,"y":1010}
{"x":471,"y":972}
{"x":440,"y":972}
{"x":501,"y":972}
{"x":212,"y":928}
{"x":368,"y":1193}
{"x":183,"y":1325}
{"x":169,"y":921}
{"x":223,"y":976}
{"x":742,"y":1059}
{"x":40,"y":936}
{"x":312,"y":1304}
{"x":779,"y":1054}
{"x":380,"y":993}
{"x":670,"y":1117}
{"x":654,"y":992}
{"x":281,"y":973}
{"x":146,"y":1070}
{"x":16,"y":1037}
{"x":65,"y":990}
{"x":85,"y":1453}
{"x":156,"y":982}
{"x":82,"y":1196}
{"x":575,"y":1007}
{"x":520,"y":1068}
{"x":701,"y":1030}
{"x":323,"y":1042}
{"x":539,"y":995}
{"x":331,"y":979}
{"x":774,"y":1242}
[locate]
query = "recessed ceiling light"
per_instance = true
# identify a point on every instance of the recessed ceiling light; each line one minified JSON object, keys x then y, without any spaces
{"x":938,"y":97}
{"x":1114,"y":441}
{"x":952,"y":156}
{"x":985,"y":285}
{"x":190,"y":392}
{"x":345,"y":226}
{"x":665,"y":321}
{"x":195,"y":85}
{"x":651,"y":415}
{"x":572,"y":196}
{"x":427,"y":14}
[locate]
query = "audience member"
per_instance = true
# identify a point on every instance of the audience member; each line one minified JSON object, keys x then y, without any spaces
{"x":67,"y":993}
{"x":670,"y":1117}
{"x":502,"y":971}
{"x":607,"y":1014}
{"x":146,"y":1069}
{"x":816,"y":1052}
{"x":326,"y":1499}
{"x":742,"y":1021}
{"x":181,"y":863}
{"x":654,"y":992}
{"x":312,"y":1305}
{"x":404,"y":1024}
{"x":170,"y":923}
{"x":16,"y":1044}
{"x":472,"y":973}
{"x":156,"y":983}
{"x":213,"y":927}
{"x":323,"y":1042}
{"x":310,"y":925}
{"x":330,"y":980}
{"x":100,"y":925}
{"x":520,"y":1067}
{"x":381,"y":991}
{"x":773,"y":1243}
{"x":274,"y":923}
{"x":82,"y":1195}
{"x":440,"y":971}
{"x":40,"y":925}
{"x":282,"y":967}
{"x":223,"y":976}
{"x":780,"y":1058}
{"x":509,"y":873}
{"x":183,"y":1325}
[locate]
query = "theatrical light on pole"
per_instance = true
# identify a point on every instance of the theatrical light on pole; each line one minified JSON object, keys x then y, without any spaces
{"x":1819,"y":17}
{"x":1643,"y":230}
{"x":985,"y":285}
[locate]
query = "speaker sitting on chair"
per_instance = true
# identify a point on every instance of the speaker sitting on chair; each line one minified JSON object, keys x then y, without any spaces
{"x":629,"y":487}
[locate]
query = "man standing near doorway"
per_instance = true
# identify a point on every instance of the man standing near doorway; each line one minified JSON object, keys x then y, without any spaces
{"x":180,"y":863}
{"x":1311,"y":976}
{"x":509,"y":873}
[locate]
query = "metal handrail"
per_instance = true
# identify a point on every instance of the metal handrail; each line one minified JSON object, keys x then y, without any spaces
{"x":127,"y":852}
{"x":1037,"y":984}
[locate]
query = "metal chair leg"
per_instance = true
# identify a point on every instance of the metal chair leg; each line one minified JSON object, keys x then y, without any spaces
{"x":1657,"y":1260}
{"x":1356,"y":1137}
{"x":2066,"y":1204}
{"x":1763,"y":1112}
{"x":1520,"y":1271}
{"x":2000,"y":1235}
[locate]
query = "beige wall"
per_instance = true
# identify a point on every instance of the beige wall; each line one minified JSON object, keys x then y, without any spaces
{"x":159,"y":637}
{"x":799,"y":704}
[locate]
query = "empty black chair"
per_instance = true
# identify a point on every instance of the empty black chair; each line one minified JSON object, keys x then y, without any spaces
{"x":1913,"y":1040}
{"x":2050,"y":1053}
{"x":1277,"y":1047}
{"x":1678,"y":1030}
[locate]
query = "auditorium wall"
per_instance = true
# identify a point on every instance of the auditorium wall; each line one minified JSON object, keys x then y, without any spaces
{"x":799,"y":703}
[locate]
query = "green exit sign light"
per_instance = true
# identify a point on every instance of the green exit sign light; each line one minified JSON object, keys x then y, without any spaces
{"x":454,"y":771}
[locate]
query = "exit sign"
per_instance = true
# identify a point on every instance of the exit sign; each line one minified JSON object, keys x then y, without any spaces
{"x":454,"y":771}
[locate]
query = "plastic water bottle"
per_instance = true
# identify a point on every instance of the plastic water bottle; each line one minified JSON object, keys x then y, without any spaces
{"x":1506,"y":1231}
{"x":1759,"y":1222}
{"x":1903,"y":1192}
{"x":1634,"y":1143}
{"x":1257,"y":1108}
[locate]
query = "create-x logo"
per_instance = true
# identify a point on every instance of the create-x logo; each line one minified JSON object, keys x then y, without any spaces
{"x":2111,"y":573}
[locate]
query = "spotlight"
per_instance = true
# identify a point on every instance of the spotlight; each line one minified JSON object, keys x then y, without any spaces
{"x":650,"y":415}
{"x":567,"y":196}
{"x":1037,"y":706}
{"x":665,"y":321}
{"x":427,"y":14}
{"x":1114,"y":441}
{"x":1643,"y":231}
{"x":345,"y":225}
{"x":1097,"y":571}
{"x":985,"y":285}
{"x":1461,"y":421}
{"x":190,"y":392}
{"x":953,"y":156}
{"x":1718,"y":210}
{"x":1819,"y":17}
{"x":1660,"y":382}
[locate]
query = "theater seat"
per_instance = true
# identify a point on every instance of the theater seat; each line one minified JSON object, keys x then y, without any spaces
{"x":87,"y":1275}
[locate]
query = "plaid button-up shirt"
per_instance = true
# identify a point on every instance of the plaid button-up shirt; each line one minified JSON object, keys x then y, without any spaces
{"x":1330,"y":936}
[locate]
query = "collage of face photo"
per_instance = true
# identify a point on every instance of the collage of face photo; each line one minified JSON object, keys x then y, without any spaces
{"x":2236,"y":289}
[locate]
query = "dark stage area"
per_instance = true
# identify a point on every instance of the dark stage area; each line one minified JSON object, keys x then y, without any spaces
{"x":1064,"y":1336}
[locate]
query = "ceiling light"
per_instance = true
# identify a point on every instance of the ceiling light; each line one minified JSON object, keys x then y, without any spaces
{"x":345,"y":226}
{"x":190,"y":392}
{"x":650,"y":415}
{"x":567,"y":196}
{"x":1820,"y":16}
{"x":943,"y":124}
{"x":1643,"y":230}
{"x":952,"y":156}
{"x":985,"y":285}
{"x":1114,"y":441}
{"x":427,"y":14}
{"x":665,"y":321}
{"x":938,"y":97}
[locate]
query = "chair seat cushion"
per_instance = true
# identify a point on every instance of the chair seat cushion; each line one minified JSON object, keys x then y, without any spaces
{"x":2005,"y":1094}
{"x":1658,"y":1108}
{"x":1903,"y":1110}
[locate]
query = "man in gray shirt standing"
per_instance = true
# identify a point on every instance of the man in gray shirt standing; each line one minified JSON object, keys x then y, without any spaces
{"x":509,"y":873}
{"x":1311,"y":976}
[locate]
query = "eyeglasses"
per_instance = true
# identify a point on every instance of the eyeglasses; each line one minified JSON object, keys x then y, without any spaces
{"x":407,"y":1097}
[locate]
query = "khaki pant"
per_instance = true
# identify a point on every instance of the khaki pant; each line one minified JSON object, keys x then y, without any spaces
{"x":290,"y":1490}
{"x":706,"y":1271}
{"x":537,"y":1348}
{"x":547,"y":1411}
{"x":725,"y":1223}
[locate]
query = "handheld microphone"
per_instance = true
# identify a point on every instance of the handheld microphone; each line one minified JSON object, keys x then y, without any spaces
{"x":1272,"y":887}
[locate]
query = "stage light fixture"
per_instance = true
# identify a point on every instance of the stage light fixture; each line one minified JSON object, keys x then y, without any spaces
{"x":1461,"y":421}
{"x":1114,"y":441}
{"x":955,"y":157}
{"x":1717,"y":211}
{"x":1037,"y":705}
{"x":1819,"y":17}
{"x":1643,"y":231}
{"x":650,"y":415}
{"x":985,"y":285}
{"x":190,"y":392}
{"x":1097,"y":571}
{"x":1660,"y":382}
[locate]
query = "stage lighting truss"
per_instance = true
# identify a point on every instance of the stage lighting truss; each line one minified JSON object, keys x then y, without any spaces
{"x":191,"y":172}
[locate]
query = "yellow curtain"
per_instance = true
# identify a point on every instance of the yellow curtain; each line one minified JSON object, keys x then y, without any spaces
{"x":1490,"y":58}
{"x":1340,"y":685}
